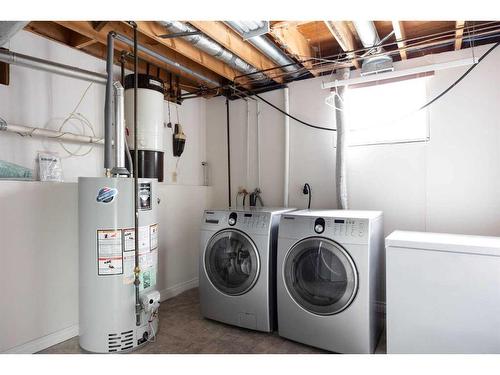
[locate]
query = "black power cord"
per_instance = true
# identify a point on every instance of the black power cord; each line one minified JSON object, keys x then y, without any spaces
{"x":424,"y":106}
{"x":307,"y":190}
{"x":293,"y":117}
{"x":461,"y":77}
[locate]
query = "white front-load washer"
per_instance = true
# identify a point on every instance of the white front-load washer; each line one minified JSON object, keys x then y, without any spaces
{"x":330,"y":279}
{"x":237,"y":266}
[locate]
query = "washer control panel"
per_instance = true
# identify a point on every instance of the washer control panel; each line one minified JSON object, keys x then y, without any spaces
{"x":243,"y":220}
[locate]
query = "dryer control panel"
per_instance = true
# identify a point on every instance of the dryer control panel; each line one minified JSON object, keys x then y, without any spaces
{"x":344,"y":229}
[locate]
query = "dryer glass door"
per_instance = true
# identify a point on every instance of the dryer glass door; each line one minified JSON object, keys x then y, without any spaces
{"x":232,"y":262}
{"x":320,"y":276}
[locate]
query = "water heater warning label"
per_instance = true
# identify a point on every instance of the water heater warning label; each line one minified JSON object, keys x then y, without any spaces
{"x":148,"y":255}
{"x":109,"y":252}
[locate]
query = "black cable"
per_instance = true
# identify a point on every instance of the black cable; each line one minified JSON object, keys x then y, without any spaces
{"x":461,"y":77}
{"x":293,"y":117}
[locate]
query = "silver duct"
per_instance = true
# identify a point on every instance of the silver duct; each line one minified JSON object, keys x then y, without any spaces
{"x":370,"y":39}
{"x":340,"y":160}
{"x":213,"y":48}
{"x":119,"y":97}
{"x":166,"y":60}
{"x":19,"y":59}
{"x":264,"y":45}
{"x":9,"y":28}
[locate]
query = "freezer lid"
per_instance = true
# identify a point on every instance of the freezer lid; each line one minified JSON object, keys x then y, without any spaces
{"x":455,"y":243}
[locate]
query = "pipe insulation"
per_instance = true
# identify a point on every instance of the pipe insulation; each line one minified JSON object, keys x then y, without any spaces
{"x":36,"y":63}
{"x":264,"y":45}
{"x":211,"y":47}
{"x":48,"y":133}
{"x":286,"y":177}
{"x":340,"y":160}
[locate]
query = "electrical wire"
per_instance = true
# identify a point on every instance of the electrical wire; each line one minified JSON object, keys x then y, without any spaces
{"x":84,"y":122}
{"x":293,"y":117}
{"x":460,"y":78}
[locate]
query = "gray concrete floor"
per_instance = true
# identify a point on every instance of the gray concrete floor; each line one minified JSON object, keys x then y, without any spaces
{"x":184,"y":330}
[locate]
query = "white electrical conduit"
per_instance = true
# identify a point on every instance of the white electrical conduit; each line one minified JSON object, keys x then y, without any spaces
{"x":258,"y":145}
{"x":287,"y":147}
{"x":248,"y":146}
{"x":47,"y":133}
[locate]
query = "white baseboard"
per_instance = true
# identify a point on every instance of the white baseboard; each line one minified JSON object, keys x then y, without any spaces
{"x":177,"y":289}
{"x":67,"y":333}
{"x":45,"y":341}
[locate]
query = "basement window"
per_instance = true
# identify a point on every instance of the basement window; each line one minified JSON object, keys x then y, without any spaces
{"x":387,"y":113}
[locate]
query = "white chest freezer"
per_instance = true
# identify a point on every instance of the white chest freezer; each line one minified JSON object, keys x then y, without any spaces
{"x":443,"y":293}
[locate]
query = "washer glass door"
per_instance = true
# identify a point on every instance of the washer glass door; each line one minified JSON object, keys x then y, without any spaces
{"x":320,"y":276}
{"x":232,"y":262}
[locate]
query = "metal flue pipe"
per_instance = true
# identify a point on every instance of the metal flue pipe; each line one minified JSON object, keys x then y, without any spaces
{"x":268,"y":48}
{"x":119,"y":98}
{"x":36,"y":63}
{"x":213,"y":48}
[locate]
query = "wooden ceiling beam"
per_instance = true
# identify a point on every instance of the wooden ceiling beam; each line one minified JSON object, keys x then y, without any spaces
{"x":296,"y":44}
{"x":154,"y":29}
{"x":234,"y":43}
{"x":85,"y":28}
{"x":98,"y":25}
{"x":400,"y":34}
{"x":80,"y":41}
{"x":345,"y":38}
{"x":459,"y":32}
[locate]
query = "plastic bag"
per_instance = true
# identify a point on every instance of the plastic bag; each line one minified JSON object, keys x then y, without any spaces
{"x":50,"y":167}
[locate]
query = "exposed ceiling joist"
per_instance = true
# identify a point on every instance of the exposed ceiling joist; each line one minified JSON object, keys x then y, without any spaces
{"x":86,"y":29}
{"x":233,"y":42}
{"x":459,"y":32}
{"x":60,"y":34}
{"x":295,"y":44}
{"x":80,"y":41}
{"x":153,"y":30}
{"x":344,"y":37}
{"x":399,"y":33}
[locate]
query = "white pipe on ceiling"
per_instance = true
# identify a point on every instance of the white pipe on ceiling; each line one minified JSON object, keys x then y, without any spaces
{"x":286,"y":179}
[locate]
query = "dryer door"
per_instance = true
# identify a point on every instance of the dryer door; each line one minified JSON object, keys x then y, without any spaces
{"x":232,"y":262}
{"x":320,"y":276}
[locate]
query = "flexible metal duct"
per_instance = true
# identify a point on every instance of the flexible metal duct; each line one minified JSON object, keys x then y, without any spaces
{"x":369,"y":38}
{"x":340,"y":160}
{"x":211,"y":47}
{"x":9,"y":28}
{"x":264,"y":45}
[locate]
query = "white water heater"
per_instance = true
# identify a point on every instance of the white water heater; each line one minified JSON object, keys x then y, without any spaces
{"x":150,"y":124}
{"x":107,"y":261}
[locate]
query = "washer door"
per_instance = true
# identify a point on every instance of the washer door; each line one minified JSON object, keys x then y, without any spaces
{"x":232,"y":262}
{"x":320,"y":276}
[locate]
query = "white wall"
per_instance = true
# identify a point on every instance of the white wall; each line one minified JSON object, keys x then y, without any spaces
{"x":39,"y":221}
{"x":40,"y":99}
{"x":448,"y":184}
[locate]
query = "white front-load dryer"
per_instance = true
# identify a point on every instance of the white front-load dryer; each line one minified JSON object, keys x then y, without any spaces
{"x":237,"y":266}
{"x":330,"y":279}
